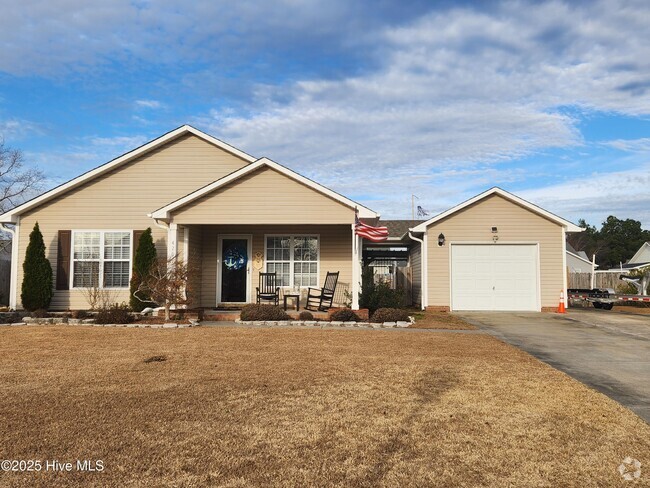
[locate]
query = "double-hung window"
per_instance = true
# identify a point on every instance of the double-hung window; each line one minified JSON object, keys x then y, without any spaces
{"x":101,"y":259}
{"x":294,"y":259}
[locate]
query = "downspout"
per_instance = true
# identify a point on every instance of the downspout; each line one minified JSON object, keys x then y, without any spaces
{"x":423,"y":266}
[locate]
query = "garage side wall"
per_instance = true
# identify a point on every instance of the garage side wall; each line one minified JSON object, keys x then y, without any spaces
{"x":415,"y":260}
{"x":515,"y":224}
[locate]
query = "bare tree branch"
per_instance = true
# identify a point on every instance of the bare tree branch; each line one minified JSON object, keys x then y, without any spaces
{"x":17,"y":183}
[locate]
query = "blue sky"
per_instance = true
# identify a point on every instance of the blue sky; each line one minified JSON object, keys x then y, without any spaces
{"x":378,"y":100}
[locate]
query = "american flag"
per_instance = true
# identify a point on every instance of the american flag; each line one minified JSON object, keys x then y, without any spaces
{"x":374,"y":234}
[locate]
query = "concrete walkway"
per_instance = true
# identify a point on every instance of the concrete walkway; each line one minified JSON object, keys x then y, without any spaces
{"x":608,"y":351}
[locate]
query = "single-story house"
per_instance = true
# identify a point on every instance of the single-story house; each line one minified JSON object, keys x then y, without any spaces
{"x":578,"y":261}
{"x":209,"y":202}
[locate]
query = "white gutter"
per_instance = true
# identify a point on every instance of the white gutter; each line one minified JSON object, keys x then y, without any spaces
{"x":423,"y":269}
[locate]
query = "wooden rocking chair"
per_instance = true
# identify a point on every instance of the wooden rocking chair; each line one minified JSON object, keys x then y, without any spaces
{"x":320,"y":299}
{"x":268,"y":289}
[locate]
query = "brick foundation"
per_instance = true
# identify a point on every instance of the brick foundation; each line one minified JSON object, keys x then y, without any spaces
{"x":549,"y":309}
{"x":438,"y":308}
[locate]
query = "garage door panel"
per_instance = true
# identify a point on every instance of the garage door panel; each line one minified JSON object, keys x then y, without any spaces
{"x":494,"y":277}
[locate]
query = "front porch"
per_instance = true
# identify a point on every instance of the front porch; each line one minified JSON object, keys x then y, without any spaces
{"x":229,"y":259}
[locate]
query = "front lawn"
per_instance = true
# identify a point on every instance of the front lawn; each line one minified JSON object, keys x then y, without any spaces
{"x":439,"y":320}
{"x":294,"y":407}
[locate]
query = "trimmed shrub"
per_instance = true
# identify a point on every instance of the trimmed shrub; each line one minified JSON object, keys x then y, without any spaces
{"x":39,"y":314}
{"x":306,"y":315}
{"x":374,"y":296}
{"x":145,"y":258}
{"x":36,"y":290}
{"x":390,"y":315}
{"x":263,"y":312}
{"x":79,"y":314}
{"x":344,"y":315}
{"x":114,"y":314}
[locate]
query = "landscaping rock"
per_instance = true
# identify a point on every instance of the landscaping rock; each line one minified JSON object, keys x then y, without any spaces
{"x":283,"y":322}
{"x":350,"y":323}
{"x":310,"y":322}
{"x":390,"y":324}
{"x":170,"y":326}
{"x":336,"y":323}
{"x":74,"y":321}
{"x":28,"y":320}
{"x":375,"y":325}
{"x":88,"y":321}
{"x":403,"y":324}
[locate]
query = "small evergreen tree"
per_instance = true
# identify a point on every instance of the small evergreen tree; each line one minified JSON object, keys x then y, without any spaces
{"x":145,"y":258}
{"x":36,"y":291}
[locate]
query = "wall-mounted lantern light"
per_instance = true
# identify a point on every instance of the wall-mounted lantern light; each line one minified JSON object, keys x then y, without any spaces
{"x":494,"y":230}
{"x":441,"y":240}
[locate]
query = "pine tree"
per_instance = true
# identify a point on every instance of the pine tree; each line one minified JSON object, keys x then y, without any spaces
{"x":36,"y":291}
{"x":145,"y":259}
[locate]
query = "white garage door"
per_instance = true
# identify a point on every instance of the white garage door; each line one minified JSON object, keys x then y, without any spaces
{"x":494,"y":277}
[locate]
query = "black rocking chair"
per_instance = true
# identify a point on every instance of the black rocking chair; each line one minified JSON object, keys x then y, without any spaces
{"x":268,"y":289}
{"x":321,"y":299}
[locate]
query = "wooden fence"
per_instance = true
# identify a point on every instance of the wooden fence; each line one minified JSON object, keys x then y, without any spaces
{"x":602,"y":280}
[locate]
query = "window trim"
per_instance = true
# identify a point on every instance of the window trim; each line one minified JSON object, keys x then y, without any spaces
{"x":101,"y":257}
{"x":291,"y":236}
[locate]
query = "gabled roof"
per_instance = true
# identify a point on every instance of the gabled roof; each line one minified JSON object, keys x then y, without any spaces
{"x":578,"y":256}
{"x":10,"y":216}
{"x":638,"y":256}
{"x":164,"y":213}
{"x":569,"y":226}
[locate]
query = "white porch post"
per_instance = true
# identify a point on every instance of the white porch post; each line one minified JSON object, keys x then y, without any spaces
{"x":172,"y":241}
{"x":13,"y":278}
{"x":356,"y":269}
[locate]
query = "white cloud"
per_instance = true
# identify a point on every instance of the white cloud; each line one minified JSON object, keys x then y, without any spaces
{"x":151,"y":104}
{"x":457,"y":91}
{"x":630,"y":145}
{"x":14,"y":129}
{"x":594,"y":197}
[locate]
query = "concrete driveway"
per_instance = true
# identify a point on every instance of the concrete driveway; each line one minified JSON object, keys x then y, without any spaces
{"x":608,"y":351}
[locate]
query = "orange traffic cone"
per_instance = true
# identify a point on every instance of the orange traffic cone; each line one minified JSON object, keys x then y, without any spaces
{"x":561,"y":308}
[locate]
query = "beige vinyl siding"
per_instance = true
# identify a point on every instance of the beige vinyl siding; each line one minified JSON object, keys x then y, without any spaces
{"x":515,"y":224}
{"x":122,"y":198}
{"x":335,"y":254}
{"x":264,"y":197}
{"x":415,"y":261}
{"x":195,"y":236}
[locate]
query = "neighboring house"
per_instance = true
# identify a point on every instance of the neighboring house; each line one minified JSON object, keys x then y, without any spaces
{"x":495,"y":251}
{"x":236,"y":216}
{"x":204,"y":200}
{"x":642,"y":256}
{"x":577,"y":261}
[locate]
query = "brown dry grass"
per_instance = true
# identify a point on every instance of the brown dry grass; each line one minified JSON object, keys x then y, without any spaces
{"x":266,"y":407}
{"x":439,"y":320}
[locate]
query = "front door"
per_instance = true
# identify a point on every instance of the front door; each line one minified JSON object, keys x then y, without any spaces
{"x":233,"y":269}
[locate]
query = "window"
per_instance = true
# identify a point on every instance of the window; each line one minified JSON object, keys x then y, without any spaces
{"x":294,"y":259}
{"x":101,"y":259}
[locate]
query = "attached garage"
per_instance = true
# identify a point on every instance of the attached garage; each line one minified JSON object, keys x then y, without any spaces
{"x":494,"y":252}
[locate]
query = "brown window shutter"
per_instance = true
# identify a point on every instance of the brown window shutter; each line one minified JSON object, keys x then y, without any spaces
{"x":63,"y":260}
{"x":136,"y":241}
